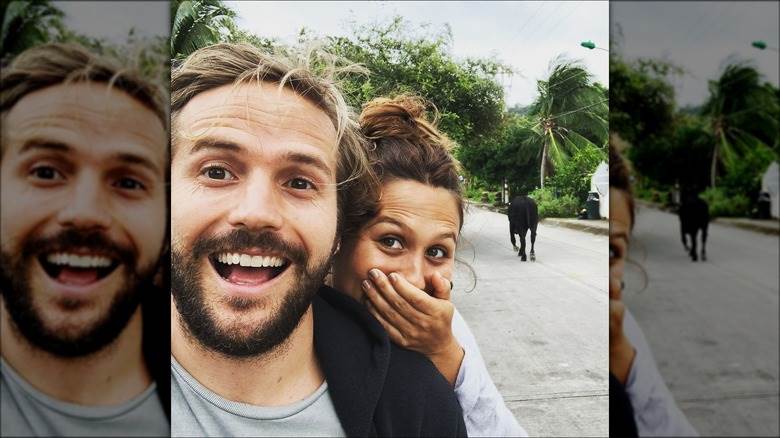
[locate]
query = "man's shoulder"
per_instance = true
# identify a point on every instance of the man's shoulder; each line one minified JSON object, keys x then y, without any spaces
{"x":374,"y":383}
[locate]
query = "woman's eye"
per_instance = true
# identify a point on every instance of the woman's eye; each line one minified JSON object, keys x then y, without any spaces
{"x":300,"y":184}
{"x":129,"y":184}
{"x":437,"y":253}
{"x":218,"y":173}
{"x":391,"y":242}
{"x":46,"y":173}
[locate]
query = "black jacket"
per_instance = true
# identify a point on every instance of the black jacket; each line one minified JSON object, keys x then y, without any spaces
{"x":377,"y":388}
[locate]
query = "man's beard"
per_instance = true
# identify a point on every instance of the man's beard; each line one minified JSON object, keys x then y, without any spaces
{"x":17,"y":292}
{"x":198,"y":319}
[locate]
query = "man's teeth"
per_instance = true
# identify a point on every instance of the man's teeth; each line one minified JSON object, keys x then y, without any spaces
{"x":250,"y":260}
{"x":78,"y":261}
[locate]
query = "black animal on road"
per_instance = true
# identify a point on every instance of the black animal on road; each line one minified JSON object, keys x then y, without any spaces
{"x":523,"y":216}
{"x":694,"y":215}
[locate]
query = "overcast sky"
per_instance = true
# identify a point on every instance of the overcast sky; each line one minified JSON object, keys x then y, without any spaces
{"x":525,"y":35}
{"x":112,"y":20}
{"x":699,"y":36}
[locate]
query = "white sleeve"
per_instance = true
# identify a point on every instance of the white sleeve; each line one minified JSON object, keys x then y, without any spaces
{"x":483,"y":407}
{"x":655,"y":411}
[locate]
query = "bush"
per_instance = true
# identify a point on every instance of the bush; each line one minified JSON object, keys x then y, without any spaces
{"x":723,"y":205}
{"x":573,"y":176}
{"x":554,"y":206}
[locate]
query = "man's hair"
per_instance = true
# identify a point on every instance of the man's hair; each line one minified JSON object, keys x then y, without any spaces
{"x":312,"y":74}
{"x":60,"y":63}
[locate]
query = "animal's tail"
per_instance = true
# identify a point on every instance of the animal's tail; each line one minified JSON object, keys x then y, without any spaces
{"x":528,"y":212}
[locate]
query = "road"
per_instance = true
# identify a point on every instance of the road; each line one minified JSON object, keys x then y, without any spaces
{"x":712,"y":326}
{"x":542,"y":326}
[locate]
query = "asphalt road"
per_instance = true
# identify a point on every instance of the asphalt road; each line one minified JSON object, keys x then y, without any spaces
{"x":712,"y":326}
{"x":542,"y":326}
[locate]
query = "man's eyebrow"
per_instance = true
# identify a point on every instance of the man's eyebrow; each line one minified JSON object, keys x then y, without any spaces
{"x":214,"y":143}
{"x":129,"y":158}
{"x":44,"y":144}
{"x":311,"y":160}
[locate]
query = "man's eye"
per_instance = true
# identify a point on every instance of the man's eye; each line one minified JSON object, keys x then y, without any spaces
{"x":129,"y":184}
{"x":391,"y":242}
{"x":218,"y":173}
{"x":437,"y":253}
{"x":300,"y":184}
{"x":46,"y":172}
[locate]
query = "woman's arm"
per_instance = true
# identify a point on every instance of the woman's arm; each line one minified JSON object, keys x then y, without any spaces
{"x":655,"y":410}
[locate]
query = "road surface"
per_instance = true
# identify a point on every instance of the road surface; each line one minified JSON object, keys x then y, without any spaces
{"x":712,"y":326}
{"x":542,"y":326}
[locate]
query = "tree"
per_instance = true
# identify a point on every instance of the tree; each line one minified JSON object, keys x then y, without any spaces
{"x":27,"y":24}
{"x":742,"y":113}
{"x":402,"y":59}
{"x":570,"y":113}
{"x":198,"y":23}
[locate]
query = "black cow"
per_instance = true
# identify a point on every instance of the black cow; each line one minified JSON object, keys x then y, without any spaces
{"x":523,"y":216}
{"x":694,"y":216}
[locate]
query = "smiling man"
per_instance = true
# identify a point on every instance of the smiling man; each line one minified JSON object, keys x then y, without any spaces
{"x":84,"y":165}
{"x":265,"y":158}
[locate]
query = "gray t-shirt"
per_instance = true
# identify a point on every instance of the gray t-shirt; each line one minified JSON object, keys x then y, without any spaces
{"x":197,"y":411}
{"x":27,"y":411}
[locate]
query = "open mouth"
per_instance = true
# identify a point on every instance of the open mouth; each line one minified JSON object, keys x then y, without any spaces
{"x":248,"y":269}
{"x":77,"y":269}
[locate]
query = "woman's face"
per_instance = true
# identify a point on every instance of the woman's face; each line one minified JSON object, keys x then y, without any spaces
{"x":619,"y":228}
{"x":414,"y":234}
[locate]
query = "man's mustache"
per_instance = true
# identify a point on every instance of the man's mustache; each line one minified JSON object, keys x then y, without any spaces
{"x":242,"y":238}
{"x":72,"y":238}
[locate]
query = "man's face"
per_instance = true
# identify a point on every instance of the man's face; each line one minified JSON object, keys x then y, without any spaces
{"x":253,"y":214}
{"x":83,"y":217}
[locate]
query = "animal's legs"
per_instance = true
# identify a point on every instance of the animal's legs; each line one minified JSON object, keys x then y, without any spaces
{"x":694,"y":257}
{"x":533,"y":241}
{"x":704,"y":243}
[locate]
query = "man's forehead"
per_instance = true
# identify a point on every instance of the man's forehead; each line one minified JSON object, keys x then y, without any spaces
{"x":85,"y":114}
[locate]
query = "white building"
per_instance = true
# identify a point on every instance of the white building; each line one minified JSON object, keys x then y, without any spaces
{"x":770,"y":183}
{"x":599,"y":183}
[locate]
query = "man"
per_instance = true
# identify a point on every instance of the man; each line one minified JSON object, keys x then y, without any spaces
{"x":264,"y":158}
{"x":84,"y":225}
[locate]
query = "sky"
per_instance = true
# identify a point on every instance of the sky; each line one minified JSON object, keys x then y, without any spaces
{"x":699,"y":36}
{"x":112,"y":20}
{"x":525,"y":35}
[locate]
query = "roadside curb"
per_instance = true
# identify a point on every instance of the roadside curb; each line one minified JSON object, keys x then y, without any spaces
{"x":770,"y":227}
{"x":577,"y":224}
{"x":574,"y":224}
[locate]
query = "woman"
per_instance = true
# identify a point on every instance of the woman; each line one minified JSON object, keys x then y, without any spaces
{"x":631,"y":363}
{"x":399,"y":258}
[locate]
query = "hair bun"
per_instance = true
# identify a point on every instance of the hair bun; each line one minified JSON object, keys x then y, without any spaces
{"x":402,"y":117}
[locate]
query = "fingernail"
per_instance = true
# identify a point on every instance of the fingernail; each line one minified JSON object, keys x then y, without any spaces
{"x":374,"y":273}
{"x":366,"y":284}
{"x":393,"y":277}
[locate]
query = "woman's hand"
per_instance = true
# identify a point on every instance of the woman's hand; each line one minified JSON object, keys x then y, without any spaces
{"x":415,"y":320}
{"x":621,"y":352}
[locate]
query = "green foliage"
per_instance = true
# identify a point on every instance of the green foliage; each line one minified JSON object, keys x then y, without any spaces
{"x":743,"y":115}
{"x":550,"y":205}
{"x":721,"y":204}
{"x":199,"y":23}
{"x":27,"y":24}
{"x":744,"y":176}
{"x":402,"y":59}
{"x":573,"y":176}
{"x":507,"y":155}
{"x":641,"y":100}
{"x":570,"y":114}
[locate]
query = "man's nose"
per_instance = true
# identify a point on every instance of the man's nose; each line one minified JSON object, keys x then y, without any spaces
{"x":258,"y":206}
{"x":87,"y":205}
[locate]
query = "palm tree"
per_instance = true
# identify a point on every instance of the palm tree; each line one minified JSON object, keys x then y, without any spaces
{"x":742,"y":115}
{"x":198,"y":23}
{"x":570,"y":113}
{"x":26,"y":24}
